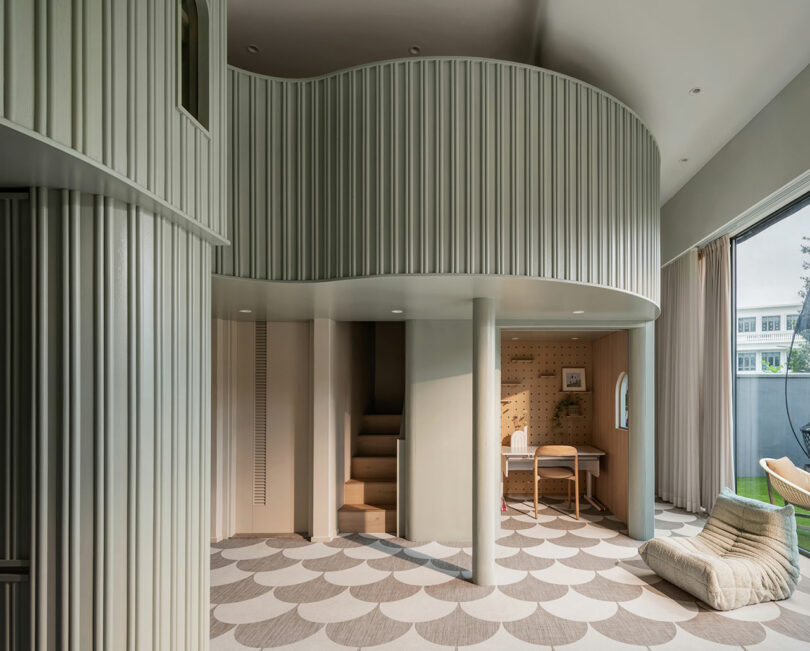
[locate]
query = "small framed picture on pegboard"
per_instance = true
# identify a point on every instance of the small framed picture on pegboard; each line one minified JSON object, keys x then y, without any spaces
{"x":573,"y":379}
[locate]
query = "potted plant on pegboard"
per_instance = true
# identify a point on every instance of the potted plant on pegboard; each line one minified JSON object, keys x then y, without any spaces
{"x":569,"y":405}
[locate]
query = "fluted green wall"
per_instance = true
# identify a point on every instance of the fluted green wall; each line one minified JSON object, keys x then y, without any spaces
{"x":104,"y":337}
{"x":105,"y":351}
{"x":440,"y":166}
{"x":101,"y":78}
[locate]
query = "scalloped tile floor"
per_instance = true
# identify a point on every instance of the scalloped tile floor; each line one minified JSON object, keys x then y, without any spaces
{"x":562,"y":583}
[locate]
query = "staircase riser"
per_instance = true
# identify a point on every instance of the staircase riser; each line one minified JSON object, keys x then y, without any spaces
{"x":380,"y":424}
{"x":374,"y":522}
{"x":375,"y":445}
{"x":374,"y":468}
{"x":370,"y":493}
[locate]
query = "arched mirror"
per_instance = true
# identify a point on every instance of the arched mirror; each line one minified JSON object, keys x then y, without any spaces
{"x":622,"y":412}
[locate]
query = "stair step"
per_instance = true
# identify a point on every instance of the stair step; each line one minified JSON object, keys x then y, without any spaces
{"x":367,"y":468}
{"x":376,"y":445}
{"x":365,"y":518}
{"x":380,"y":423}
{"x":357,"y":491}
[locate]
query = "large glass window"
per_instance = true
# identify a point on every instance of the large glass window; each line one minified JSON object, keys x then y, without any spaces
{"x":772,"y":384}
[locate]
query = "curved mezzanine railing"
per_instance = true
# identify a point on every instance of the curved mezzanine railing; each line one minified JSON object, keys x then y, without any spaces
{"x":440,"y":166}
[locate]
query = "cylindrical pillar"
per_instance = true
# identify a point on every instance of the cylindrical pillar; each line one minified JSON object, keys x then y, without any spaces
{"x":641,"y":457}
{"x":485,"y":441}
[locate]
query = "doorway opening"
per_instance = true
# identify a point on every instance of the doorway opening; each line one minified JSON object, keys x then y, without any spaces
{"x":560,"y":388}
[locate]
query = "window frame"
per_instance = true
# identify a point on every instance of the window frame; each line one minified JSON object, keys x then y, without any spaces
{"x":748,"y":319}
{"x":770,"y":354}
{"x":769,"y":318}
{"x":203,"y":69}
{"x":785,"y":211}
{"x":752,"y":355}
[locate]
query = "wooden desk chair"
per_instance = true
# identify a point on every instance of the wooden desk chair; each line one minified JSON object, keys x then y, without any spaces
{"x":557,"y":472}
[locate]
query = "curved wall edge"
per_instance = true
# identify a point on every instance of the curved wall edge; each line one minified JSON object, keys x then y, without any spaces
{"x":440,"y":166}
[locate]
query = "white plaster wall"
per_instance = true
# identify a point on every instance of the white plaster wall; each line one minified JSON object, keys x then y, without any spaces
{"x":438,"y":430}
{"x":771,"y":151}
{"x":323,"y":514}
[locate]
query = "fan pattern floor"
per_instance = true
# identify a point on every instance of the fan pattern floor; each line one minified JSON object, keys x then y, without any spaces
{"x":562,"y":582}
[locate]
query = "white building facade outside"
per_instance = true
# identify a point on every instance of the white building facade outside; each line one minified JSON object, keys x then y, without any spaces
{"x":764,"y":334}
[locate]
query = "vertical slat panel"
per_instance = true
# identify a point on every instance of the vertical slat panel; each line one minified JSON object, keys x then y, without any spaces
{"x":112,"y":567}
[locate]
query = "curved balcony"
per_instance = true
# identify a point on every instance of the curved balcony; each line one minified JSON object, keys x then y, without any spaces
{"x":463,"y":176}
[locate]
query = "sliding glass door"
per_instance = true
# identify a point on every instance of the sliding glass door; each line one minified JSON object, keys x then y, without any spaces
{"x":772,"y":355}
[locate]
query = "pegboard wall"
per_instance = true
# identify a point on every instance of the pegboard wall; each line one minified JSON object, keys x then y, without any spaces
{"x":531,"y":387}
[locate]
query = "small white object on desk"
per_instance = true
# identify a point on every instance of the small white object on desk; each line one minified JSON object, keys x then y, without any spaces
{"x":519,"y":440}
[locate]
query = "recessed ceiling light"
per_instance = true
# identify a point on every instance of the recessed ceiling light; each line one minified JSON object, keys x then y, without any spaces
{"x":695,"y":91}
{"x":574,"y":338}
{"x":245,"y":311}
{"x":396,"y":311}
{"x":253,"y":49}
{"x":579,"y":311}
{"x":414,"y":50}
{"x":515,"y":338}
{"x":684,"y":160}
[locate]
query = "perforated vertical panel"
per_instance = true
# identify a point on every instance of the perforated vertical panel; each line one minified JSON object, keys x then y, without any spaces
{"x":260,"y":417}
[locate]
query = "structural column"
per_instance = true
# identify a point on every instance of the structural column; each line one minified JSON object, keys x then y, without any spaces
{"x":323,"y":513}
{"x":641,"y":390}
{"x":485,"y":442}
{"x":105,"y":411}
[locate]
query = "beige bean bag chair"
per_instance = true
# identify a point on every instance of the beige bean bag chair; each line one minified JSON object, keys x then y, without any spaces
{"x":747,"y":553}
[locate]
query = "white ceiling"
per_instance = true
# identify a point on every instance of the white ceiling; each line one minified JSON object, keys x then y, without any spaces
{"x":520,"y":303}
{"x":553,"y":335}
{"x":647,"y":53}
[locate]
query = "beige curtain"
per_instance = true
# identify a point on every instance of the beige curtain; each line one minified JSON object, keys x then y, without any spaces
{"x":678,"y":371}
{"x":716,"y":445}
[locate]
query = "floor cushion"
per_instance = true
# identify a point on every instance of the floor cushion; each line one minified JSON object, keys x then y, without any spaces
{"x":747,"y":553}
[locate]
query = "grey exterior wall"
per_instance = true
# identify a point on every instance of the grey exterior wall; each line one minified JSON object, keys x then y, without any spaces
{"x":105,"y":402}
{"x":440,"y":166}
{"x":762,"y":428}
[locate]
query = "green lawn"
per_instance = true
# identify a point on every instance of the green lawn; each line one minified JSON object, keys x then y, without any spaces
{"x":757,"y":488}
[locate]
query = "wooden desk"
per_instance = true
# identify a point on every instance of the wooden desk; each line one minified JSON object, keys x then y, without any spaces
{"x":589,"y":458}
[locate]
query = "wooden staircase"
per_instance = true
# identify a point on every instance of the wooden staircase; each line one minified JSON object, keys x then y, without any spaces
{"x":370,"y":496}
